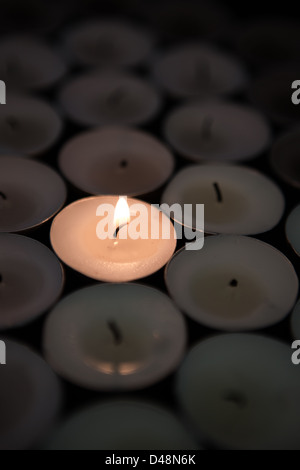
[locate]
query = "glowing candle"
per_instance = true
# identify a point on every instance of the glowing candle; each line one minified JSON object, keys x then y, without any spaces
{"x":75,"y":239}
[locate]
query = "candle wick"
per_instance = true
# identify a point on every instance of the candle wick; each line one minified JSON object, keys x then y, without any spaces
{"x":203,"y":72}
{"x":236,"y":398}
{"x":3,"y":196}
{"x":118,"y":230}
{"x":115,"y":332}
{"x":124,"y":164}
{"x":115,"y":97}
{"x":206,"y":128}
{"x":12,"y":122}
{"x":218,"y":192}
{"x":233,"y":283}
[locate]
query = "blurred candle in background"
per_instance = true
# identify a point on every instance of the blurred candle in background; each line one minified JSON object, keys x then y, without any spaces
{"x":241,"y":392}
{"x":28,"y":126}
{"x":75,"y":240}
{"x":284,"y":157}
{"x":126,"y":425}
{"x":217,"y":130}
{"x":30,"y":194}
{"x":234,"y":283}
{"x":292,"y":229}
{"x":116,"y":160}
{"x":27,"y":63}
{"x":31,"y":280}
{"x":237,"y":199}
{"x":295,"y":322}
{"x":108,"y":43}
{"x":109,"y":98}
{"x":30,"y":398}
{"x":115,"y":337}
{"x":199,"y":71}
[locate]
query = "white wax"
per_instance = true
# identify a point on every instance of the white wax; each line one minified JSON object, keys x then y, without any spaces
{"x":242,"y":392}
{"x":284,"y":157}
{"x":30,"y":193}
{"x":116,"y":160}
{"x":292,"y":229}
{"x":295,"y":322}
{"x":217,"y":130}
{"x":28,"y":64}
{"x":30,"y":398}
{"x":196,"y":71}
{"x":28,"y":126}
{"x":115,"y":337}
{"x":74,"y":239}
{"x":237,"y":199}
{"x":108,"y":43}
{"x":31,"y":280}
{"x":122,"y":425}
{"x":234,"y":283}
{"x":109,"y":98}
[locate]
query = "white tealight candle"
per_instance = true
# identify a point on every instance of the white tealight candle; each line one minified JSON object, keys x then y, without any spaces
{"x":31,"y":280}
{"x":194,"y":70}
{"x":74,"y":238}
{"x":108,"y":43}
{"x":237,"y":199}
{"x":295,"y":322}
{"x":28,"y":126}
{"x":217,"y":131}
{"x":284,"y":157}
{"x":28,"y":64}
{"x":30,"y":194}
{"x":116,"y":160}
{"x":115,"y":337}
{"x":30,"y":398}
{"x":293,"y":229}
{"x":242,"y":392}
{"x":122,"y":425}
{"x":234,"y":283}
{"x":109,"y":98}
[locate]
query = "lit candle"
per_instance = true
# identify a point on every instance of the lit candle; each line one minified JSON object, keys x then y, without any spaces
{"x":272,"y":93}
{"x":237,"y":199}
{"x":217,"y":130}
{"x":74,"y":237}
{"x":28,"y":64}
{"x":109,"y":98}
{"x":197,"y":71}
{"x":30,"y":397}
{"x":295,"y":322}
{"x":115,"y":160}
{"x":115,"y":337}
{"x":108,"y":43}
{"x":241,"y":392}
{"x":292,"y":229}
{"x":28,"y":126}
{"x":234,"y":283}
{"x":122,"y":425}
{"x":31,"y":280}
{"x":269,"y":41}
{"x":30,"y":194}
{"x":284,"y":157}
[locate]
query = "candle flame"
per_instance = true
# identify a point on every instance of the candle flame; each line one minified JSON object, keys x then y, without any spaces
{"x":122,"y":213}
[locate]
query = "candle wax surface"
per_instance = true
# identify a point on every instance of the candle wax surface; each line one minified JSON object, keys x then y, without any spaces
{"x":293,"y":229}
{"x":74,"y":239}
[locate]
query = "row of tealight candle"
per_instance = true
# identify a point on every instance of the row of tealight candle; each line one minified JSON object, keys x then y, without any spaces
{"x":122,"y":335}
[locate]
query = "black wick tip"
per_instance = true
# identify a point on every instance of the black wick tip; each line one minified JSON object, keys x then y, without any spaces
{"x":236,"y":398}
{"x":233,"y":283}
{"x":3,"y":196}
{"x":115,"y":331}
{"x":218,"y":192}
{"x":118,"y":230}
{"x":124,"y":164}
